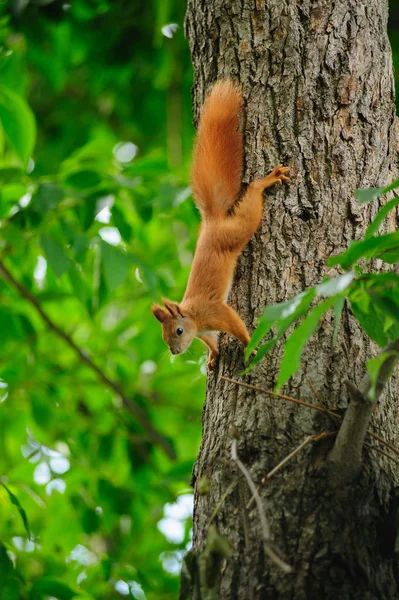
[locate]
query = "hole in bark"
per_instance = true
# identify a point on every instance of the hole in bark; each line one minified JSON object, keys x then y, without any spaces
{"x":307,"y":214}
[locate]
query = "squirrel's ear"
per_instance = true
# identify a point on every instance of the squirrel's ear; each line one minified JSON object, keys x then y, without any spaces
{"x":172,"y":307}
{"x":159,"y":313}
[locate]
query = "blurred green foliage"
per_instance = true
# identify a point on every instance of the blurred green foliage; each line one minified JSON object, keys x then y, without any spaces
{"x":96,"y":222}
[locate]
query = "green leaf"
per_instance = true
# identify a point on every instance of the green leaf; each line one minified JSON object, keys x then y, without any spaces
{"x":298,"y":306}
{"x":14,"y":500}
{"x":380,"y":280}
{"x":279,"y":312}
{"x":392,"y":331}
{"x":115,"y":265}
{"x":10,"y":589}
{"x":2,"y":141}
{"x":369,"y":194}
{"x":369,"y":248}
{"x":56,"y":257}
{"x":386,"y":304}
{"x":55,"y":588}
{"x":366,"y":195}
{"x":370,"y":321}
{"x":83,"y":179}
{"x":47,"y":196}
{"x":10,"y":326}
{"x":27,"y":327}
{"x":392,"y":186}
{"x":338,"y":307}
{"x":287,"y":312}
{"x":332,"y":287}
{"x":90,"y":520}
{"x":80,"y":245}
{"x":10,"y":174}
{"x":12,"y":192}
{"x":260,"y":332}
{"x":18,"y":123}
{"x":87,"y":211}
{"x":78,"y":284}
{"x":153,"y":163}
{"x":378,"y":219}
{"x":265,"y":349}
{"x":296,"y":342}
{"x":41,"y":411}
{"x":127,"y":182}
{"x":391,"y":257}
{"x":121,"y":223}
{"x":374,"y":367}
{"x":6,"y":565}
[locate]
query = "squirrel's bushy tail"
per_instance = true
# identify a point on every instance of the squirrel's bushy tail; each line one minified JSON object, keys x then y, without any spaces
{"x":218,"y":151}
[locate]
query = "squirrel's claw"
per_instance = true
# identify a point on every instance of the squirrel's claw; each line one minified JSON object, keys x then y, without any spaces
{"x":280,"y":174}
{"x":210,"y":365}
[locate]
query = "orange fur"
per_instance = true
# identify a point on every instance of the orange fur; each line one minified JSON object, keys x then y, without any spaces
{"x":218,"y":151}
{"x":227,"y":226}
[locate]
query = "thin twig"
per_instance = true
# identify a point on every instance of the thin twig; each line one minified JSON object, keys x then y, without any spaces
{"x":382,"y":441}
{"x":264,"y":524}
{"x":252,"y":487}
{"x":281,"y":464}
{"x":395,"y":460}
{"x":132,"y":406}
{"x":302,"y":403}
{"x":316,"y":395}
{"x":285,"y":460}
{"x":274,"y":395}
{"x":222,"y":500}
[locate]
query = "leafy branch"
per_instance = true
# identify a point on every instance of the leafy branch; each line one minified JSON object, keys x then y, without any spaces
{"x":137,"y":412}
{"x":374,"y":298}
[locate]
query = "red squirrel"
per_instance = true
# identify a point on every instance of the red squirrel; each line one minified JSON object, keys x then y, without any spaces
{"x":228,"y":223}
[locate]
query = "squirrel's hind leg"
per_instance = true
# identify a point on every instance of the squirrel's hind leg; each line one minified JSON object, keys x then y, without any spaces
{"x":278,"y":175}
{"x":244,"y":221}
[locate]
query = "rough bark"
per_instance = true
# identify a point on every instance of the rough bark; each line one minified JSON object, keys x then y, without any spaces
{"x":319,"y":97}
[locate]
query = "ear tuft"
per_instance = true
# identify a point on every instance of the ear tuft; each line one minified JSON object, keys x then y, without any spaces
{"x":172,"y":307}
{"x":159,"y":313}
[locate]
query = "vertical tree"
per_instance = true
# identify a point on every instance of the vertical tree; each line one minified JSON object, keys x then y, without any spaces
{"x":319,"y":97}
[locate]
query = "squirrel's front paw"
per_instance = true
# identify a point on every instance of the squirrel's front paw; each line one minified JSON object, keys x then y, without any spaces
{"x":210,"y":365}
{"x":280,"y":174}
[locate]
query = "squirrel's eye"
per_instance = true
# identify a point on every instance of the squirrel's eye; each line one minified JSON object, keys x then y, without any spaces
{"x":179,"y":330}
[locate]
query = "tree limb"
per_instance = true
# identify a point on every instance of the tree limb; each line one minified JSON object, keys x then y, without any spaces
{"x":137,"y":412}
{"x":346,"y":456}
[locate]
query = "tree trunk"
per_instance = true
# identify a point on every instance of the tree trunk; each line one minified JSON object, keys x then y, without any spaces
{"x":319,"y":97}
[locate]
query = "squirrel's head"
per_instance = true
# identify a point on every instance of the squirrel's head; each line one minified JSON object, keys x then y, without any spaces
{"x":178,"y":330}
